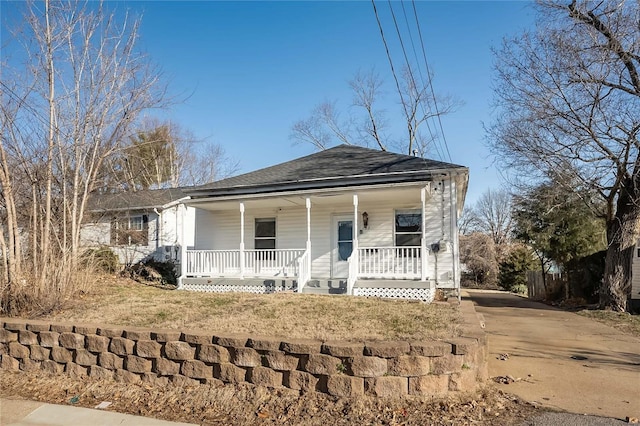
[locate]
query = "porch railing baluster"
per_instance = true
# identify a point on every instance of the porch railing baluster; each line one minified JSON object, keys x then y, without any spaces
{"x":390,"y":262}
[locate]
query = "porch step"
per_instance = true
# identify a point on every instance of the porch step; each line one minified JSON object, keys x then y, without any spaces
{"x":323,"y":286}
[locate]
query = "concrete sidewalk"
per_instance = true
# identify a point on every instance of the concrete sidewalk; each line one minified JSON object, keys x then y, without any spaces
{"x":564,"y":360}
{"x":19,"y":412}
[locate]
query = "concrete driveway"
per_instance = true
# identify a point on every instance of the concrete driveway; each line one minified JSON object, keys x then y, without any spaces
{"x":564,"y":361}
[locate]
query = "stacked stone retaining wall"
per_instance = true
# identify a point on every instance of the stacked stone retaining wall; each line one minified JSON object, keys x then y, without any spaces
{"x":165,"y":357}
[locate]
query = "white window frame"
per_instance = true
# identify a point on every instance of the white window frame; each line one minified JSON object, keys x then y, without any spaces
{"x":275,"y":230}
{"x":139,"y":225}
{"x":129,"y":222}
{"x":396,"y":233}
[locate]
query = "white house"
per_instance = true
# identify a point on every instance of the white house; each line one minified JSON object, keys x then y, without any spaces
{"x":635,"y":280}
{"x":140,"y":225}
{"x":348,"y":220}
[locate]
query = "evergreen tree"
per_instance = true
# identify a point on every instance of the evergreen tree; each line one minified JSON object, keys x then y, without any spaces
{"x":513,"y":270}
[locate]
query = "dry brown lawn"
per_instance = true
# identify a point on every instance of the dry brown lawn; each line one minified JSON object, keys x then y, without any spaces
{"x":120,"y":301}
{"x":622,"y":321}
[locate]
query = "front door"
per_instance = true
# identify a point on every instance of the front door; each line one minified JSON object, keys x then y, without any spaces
{"x":342,"y":245}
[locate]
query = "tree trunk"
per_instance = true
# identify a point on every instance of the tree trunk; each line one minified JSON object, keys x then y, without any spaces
{"x":14,"y":257}
{"x":4,"y":253}
{"x":46,"y":235}
{"x":622,"y":234}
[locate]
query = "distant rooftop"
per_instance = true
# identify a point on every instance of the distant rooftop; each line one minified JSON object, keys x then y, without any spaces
{"x":144,"y":199}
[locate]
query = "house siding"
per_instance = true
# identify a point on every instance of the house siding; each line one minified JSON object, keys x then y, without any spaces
{"x":217,"y":231}
{"x":163,"y":235}
{"x":635,"y":275}
{"x":97,"y":233}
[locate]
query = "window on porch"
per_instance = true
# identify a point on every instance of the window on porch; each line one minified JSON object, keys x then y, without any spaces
{"x":408,"y":228}
{"x":265,"y":238}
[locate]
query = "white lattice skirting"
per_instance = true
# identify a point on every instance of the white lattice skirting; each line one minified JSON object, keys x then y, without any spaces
{"x":226,"y":288}
{"x":424,"y":294}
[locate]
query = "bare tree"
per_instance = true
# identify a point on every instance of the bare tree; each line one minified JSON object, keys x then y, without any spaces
{"x":491,"y":215}
{"x":163,"y":154}
{"x":568,"y":96}
{"x":366,"y":124}
{"x":75,"y":99}
{"x":467,"y":221}
{"x":367,"y":89}
{"x":322,"y":127}
{"x":203,"y":162}
{"x":479,"y":257}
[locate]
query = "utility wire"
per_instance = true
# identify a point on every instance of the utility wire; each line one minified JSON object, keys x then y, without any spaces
{"x":413,"y":80}
{"x":386,"y":47}
{"x":436,"y":140}
{"x":424,"y":54}
{"x":38,"y":114}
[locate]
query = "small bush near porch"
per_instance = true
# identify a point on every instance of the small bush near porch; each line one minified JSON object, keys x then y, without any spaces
{"x":125,"y":302}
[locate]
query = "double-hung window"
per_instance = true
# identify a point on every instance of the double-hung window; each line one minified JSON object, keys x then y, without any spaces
{"x":265,"y":236}
{"x":130,"y":231}
{"x":408,"y":228}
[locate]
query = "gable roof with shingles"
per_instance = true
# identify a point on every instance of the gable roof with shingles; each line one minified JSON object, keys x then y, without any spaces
{"x":340,"y":166}
{"x":139,"y":200}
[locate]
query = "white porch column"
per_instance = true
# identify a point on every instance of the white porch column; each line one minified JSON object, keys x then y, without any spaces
{"x":423,"y":240}
{"x":308,"y":204}
{"x":354,"y":253}
{"x":355,"y":223}
{"x":242,"y":240}
{"x":182,"y":239}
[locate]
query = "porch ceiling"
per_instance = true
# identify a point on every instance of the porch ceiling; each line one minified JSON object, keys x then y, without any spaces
{"x":394,"y":195}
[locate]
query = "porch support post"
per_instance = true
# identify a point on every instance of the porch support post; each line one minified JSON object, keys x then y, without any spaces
{"x":308,"y":204}
{"x":182,"y":239}
{"x":354,"y":253}
{"x":423,"y":240}
{"x":242,"y":240}
{"x":355,"y":223}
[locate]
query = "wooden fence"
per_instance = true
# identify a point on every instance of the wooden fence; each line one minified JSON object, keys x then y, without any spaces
{"x":536,"y":288}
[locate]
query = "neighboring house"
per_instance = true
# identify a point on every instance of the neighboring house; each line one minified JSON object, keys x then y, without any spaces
{"x":635,"y":280}
{"x":139,"y":225}
{"x":346,"y":220}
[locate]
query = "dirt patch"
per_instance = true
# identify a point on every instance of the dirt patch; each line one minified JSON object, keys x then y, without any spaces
{"x":247,"y":404}
{"x":126,"y":302}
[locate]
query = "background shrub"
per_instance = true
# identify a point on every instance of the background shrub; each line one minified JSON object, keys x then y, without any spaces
{"x":101,"y":259}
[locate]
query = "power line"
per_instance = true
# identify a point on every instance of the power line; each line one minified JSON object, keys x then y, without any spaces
{"x":436,"y":141}
{"x":413,"y":80}
{"x":386,"y":47}
{"x":424,"y":54}
{"x":22,"y":102}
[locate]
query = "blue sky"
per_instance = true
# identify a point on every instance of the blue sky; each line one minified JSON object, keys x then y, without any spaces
{"x":251,"y":69}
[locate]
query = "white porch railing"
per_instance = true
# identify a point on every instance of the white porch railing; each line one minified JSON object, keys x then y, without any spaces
{"x":276,"y":263}
{"x":389,"y":262}
{"x":365,"y":262}
{"x":304,"y":268}
{"x":257,"y":263}
{"x":213,"y":262}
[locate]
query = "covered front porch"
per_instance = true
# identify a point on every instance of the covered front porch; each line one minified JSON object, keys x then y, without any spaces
{"x":343,"y":237}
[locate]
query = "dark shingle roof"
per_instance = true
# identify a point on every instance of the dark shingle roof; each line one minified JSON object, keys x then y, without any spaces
{"x":335,"y":167}
{"x":146,"y":199}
